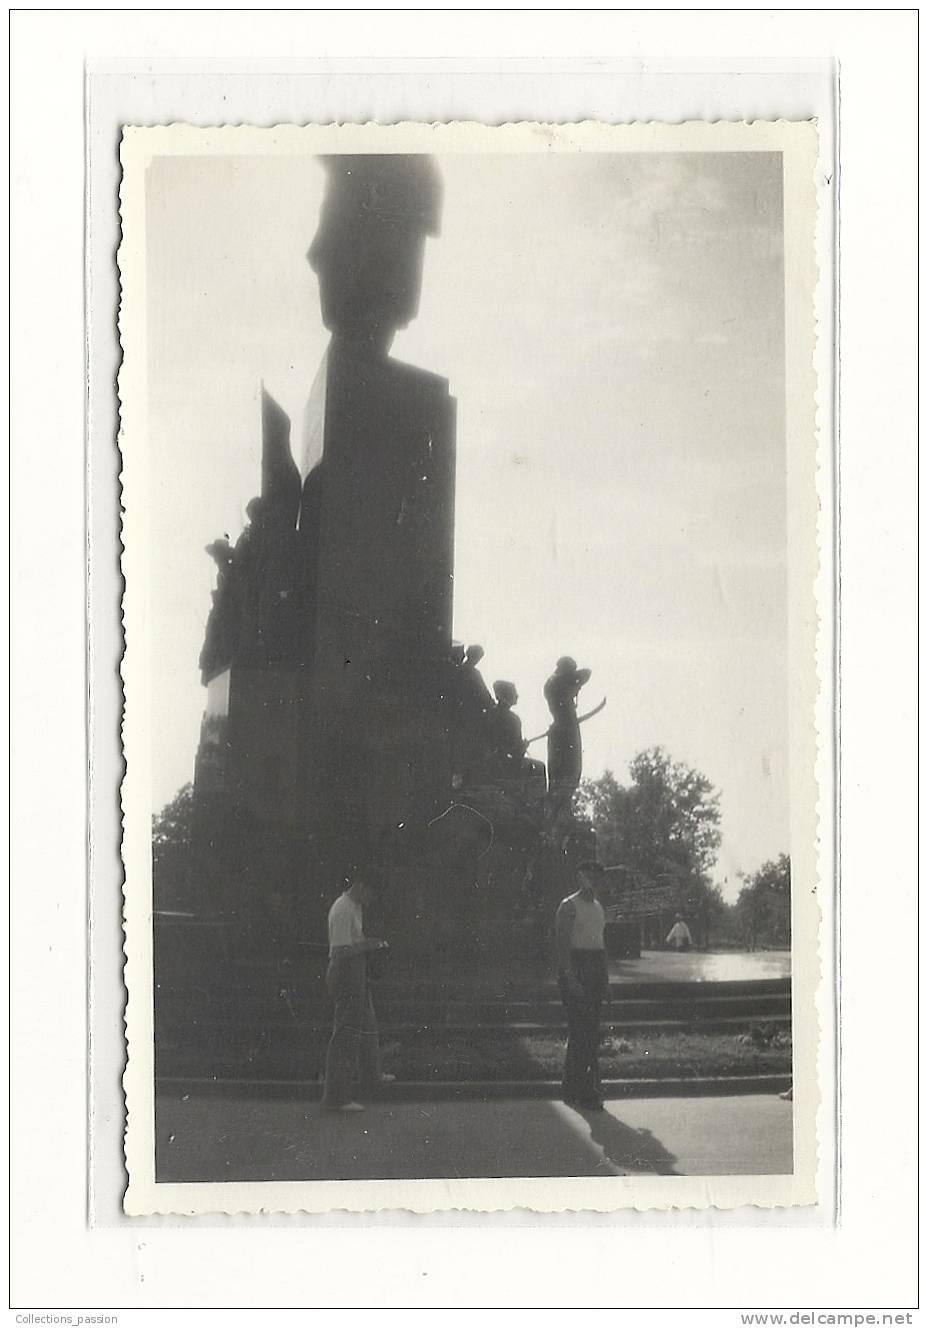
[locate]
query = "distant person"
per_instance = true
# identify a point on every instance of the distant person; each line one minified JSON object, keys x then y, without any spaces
{"x":354,"y":1048}
{"x":581,"y":960}
{"x":680,"y":936}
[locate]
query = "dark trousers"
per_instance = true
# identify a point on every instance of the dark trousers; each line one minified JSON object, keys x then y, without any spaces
{"x":582,"y":1004}
{"x":354,"y":1047}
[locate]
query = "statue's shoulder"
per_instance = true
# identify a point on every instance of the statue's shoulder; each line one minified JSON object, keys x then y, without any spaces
{"x":422,"y":379}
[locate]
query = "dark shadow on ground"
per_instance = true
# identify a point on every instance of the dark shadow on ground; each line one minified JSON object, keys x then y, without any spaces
{"x":628,"y":1148}
{"x":204,"y":1138}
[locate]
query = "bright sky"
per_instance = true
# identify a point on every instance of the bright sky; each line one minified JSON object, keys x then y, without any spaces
{"x":611,"y":325}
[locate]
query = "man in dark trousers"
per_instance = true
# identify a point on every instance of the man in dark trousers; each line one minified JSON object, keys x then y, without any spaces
{"x":354,"y":1048}
{"x":581,"y":960}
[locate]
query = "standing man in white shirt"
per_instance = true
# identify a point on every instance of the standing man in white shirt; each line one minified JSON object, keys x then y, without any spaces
{"x":354,"y":1048}
{"x":580,"y":923}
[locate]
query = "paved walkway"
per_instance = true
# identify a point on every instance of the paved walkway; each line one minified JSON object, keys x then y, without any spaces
{"x":225,"y":1138}
{"x":696,"y":966}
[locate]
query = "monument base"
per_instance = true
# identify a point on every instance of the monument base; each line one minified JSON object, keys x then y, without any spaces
{"x":246,"y":979}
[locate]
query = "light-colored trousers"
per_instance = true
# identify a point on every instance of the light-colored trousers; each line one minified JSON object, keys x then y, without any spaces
{"x":354,"y":1047}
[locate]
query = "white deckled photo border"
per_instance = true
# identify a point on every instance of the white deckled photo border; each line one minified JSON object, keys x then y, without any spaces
{"x":809,"y":675}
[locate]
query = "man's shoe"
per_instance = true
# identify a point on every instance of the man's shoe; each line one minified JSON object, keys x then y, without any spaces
{"x":365,"y":1086}
{"x":342,"y":1106}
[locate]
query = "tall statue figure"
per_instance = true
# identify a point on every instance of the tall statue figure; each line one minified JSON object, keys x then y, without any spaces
{"x":370,"y":246}
{"x":377,"y":506}
{"x":336,"y":722}
{"x":335,"y":717}
{"x":504,"y":734}
{"x":565,"y":745}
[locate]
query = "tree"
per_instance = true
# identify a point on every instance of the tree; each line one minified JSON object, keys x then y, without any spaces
{"x":665,"y":822}
{"x":763,"y":906}
{"x":171,"y":838}
{"x":662,"y":828}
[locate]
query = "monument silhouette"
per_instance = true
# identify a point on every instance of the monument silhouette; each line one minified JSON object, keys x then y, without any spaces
{"x":342,"y":720}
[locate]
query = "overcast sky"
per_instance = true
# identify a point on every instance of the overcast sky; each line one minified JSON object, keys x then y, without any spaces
{"x":611,"y":326}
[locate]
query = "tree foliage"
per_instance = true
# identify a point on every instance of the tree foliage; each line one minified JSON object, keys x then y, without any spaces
{"x":664,"y":823}
{"x":763,"y":906}
{"x":662,"y":828}
{"x":171,"y":837}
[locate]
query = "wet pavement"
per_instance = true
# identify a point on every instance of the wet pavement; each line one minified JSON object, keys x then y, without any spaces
{"x":696,"y":966}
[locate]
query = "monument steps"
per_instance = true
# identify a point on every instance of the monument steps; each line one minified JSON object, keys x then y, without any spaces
{"x":227,"y":1011}
{"x":263,"y":1036}
{"x":288,"y":1007}
{"x":303,"y":978}
{"x":300,"y":1030}
{"x":272,"y":1012}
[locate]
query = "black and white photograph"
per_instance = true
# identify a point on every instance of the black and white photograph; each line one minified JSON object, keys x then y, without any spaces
{"x":463,"y":665}
{"x":469,"y":556}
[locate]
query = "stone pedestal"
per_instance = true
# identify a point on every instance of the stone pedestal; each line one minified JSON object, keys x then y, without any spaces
{"x":376,"y":750}
{"x":335,"y":734}
{"x":341,"y":687}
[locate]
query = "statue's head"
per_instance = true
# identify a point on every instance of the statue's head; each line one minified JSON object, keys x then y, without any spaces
{"x":505,"y":692}
{"x":370,"y":246}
